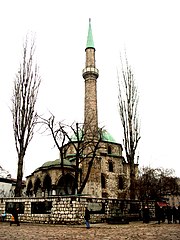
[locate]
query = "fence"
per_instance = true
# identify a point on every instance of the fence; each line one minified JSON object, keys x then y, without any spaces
{"x":70,"y":209}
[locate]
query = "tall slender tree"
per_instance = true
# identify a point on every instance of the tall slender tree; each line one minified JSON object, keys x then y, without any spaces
{"x":128,"y":104}
{"x":26,"y":86}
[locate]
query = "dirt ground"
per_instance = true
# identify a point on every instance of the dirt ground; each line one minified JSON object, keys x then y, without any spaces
{"x":133,"y":231}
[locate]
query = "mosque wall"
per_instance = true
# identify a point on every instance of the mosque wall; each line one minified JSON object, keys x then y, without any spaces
{"x":70,"y":210}
{"x":109,"y":176}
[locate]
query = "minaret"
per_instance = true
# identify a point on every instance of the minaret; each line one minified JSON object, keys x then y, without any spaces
{"x":90,"y":74}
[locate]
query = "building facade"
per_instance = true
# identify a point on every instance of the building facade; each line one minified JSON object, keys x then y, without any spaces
{"x":110,"y":173}
{"x":8,"y":184}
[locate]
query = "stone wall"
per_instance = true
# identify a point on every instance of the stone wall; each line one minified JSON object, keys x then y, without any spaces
{"x":69,"y":210}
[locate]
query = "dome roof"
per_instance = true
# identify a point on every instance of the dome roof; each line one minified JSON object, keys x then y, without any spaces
{"x":57,"y":162}
{"x":106,"y":136}
{"x":69,"y":162}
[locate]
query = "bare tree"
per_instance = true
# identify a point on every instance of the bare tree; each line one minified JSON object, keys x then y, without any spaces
{"x":128,"y":103}
{"x":74,"y":135}
{"x":26,"y":86}
{"x":57,"y":131}
{"x":86,"y":148}
{"x":155,"y":183}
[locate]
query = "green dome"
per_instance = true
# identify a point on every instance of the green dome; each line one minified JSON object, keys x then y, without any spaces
{"x":56,"y":162}
{"x":51,"y":163}
{"x":106,"y":136}
{"x":69,"y":162}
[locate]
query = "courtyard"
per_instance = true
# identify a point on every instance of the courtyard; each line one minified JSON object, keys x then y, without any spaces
{"x":134,"y":231}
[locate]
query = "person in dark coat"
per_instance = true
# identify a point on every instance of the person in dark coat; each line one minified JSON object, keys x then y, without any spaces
{"x":146,"y":216}
{"x":87,"y":218}
{"x":179,"y":213}
{"x":169,"y":214}
{"x":163,"y":214}
{"x":158,"y":213}
{"x":175,"y":214}
{"x":15,"y":213}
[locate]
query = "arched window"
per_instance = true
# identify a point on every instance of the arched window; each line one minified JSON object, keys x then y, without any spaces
{"x":29,"y":191}
{"x":47,"y":185}
{"x":110,"y":166}
{"x":65,"y":185}
{"x":103,"y":181}
{"x":109,"y":150}
{"x":121,"y":183}
{"x":37,"y":188}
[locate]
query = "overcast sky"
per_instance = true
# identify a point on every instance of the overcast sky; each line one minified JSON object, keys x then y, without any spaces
{"x":147,"y":29}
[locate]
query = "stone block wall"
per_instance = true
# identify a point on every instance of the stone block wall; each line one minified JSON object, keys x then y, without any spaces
{"x":68,"y":210}
{"x":65,"y":210}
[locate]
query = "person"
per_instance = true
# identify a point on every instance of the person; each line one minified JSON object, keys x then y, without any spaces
{"x":179,"y":213}
{"x":15,"y":212}
{"x":146,"y":216}
{"x":169,"y":214}
{"x":175,"y":214}
{"x":163,"y":214}
{"x":3,"y":216}
{"x":158,"y":213}
{"x":87,"y":218}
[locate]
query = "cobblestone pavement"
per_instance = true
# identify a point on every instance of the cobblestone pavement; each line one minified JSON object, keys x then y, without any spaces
{"x":132,"y":231}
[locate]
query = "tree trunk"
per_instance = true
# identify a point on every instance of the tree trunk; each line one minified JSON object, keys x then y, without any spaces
{"x":18,"y":189}
{"x":132,"y":181}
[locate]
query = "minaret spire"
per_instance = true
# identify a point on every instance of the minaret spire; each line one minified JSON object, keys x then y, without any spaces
{"x":90,"y":42}
{"x":90,"y":75}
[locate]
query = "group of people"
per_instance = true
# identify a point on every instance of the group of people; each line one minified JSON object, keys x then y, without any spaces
{"x":14,"y":216}
{"x":172,"y":214}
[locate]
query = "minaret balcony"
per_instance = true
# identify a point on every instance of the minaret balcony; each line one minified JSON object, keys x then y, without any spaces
{"x":90,"y":70}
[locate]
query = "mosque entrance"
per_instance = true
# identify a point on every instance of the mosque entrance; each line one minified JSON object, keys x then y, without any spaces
{"x":65,"y":185}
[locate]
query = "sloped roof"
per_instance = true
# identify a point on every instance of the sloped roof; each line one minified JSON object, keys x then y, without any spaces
{"x":4,"y":173}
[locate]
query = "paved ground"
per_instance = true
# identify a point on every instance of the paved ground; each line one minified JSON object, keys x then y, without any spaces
{"x":132,"y":231}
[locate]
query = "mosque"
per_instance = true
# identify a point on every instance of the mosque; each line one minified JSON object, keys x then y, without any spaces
{"x":110,"y":173}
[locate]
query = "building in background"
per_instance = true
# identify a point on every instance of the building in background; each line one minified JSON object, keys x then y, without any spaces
{"x":7,"y":184}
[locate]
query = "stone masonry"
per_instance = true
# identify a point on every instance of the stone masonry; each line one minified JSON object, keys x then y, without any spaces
{"x":70,"y":210}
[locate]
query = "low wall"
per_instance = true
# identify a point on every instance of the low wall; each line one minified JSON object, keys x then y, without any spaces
{"x":69,"y":210}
